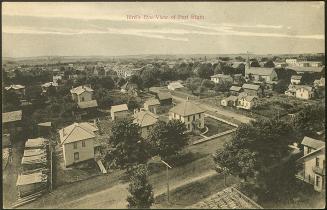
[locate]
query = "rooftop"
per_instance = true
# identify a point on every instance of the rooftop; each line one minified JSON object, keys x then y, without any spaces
{"x":152,"y":101}
{"x":38,"y":142}
{"x":81,"y":89}
{"x":145,"y":118}
{"x":229,"y":198}
{"x":306,"y":69}
{"x":313,"y":143}
{"x":235,"y":88}
{"x":15,"y":87}
{"x":220,"y":76}
{"x":48,"y":84}
{"x":164,"y":95}
{"x":119,"y":108}
{"x":31,"y":179}
{"x":259,"y":71}
{"x":251,"y":86}
{"x":296,"y":77}
{"x":186,"y":108}
{"x":77,"y":132}
{"x":11,"y":116}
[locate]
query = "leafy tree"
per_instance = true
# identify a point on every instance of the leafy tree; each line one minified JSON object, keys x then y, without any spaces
{"x":254,"y":63}
{"x":254,"y":151}
{"x":141,"y":193}
{"x":128,"y":146}
{"x":281,"y":86}
{"x":205,"y":71}
{"x":193,"y":83}
{"x":168,"y":139}
{"x":223,"y":86}
{"x":269,"y":64}
{"x":240,"y":59}
{"x":208,"y":84}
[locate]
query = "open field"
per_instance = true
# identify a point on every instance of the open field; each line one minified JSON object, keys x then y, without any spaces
{"x":215,"y":126}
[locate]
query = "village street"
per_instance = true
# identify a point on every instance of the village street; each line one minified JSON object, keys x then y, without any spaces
{"x":110,"y":191}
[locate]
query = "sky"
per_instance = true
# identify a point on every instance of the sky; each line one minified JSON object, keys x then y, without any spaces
{"x":108,"y":29}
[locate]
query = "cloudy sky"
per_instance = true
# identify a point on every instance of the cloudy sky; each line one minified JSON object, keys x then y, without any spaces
{"x":82,"y":29}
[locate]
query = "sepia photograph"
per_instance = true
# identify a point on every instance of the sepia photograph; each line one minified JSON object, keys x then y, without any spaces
{"x":163,"y":105}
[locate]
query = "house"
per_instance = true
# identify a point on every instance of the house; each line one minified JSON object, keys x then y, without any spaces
{"x":82,"y":93}
{"x":238,"y":79}
{"x":129,"y":88}
{"x":56,"y":78}
{"x":251,"y":89}
{"x":291,"y":61}
{"x":119,"y":112}
{"x":49,"y":85}
{"x":17,"y":89}
{"x":189,"y":113}
{"x":309,"y":64}
{"x":235,"y":90}
{"x":78,"y":142}
{"x":296,"y":79}
{"x":88,"y":105}
{"x":152,"y":105}
{"x":229,"y":101}
{"x":260,"y":74}
{"x":246,"y":101}
{"x":221,"y":78}
{"x":313,"y":163}
{"x":174,"y":85}
{"x":304,"y":92}
{"x":319,"y":82}
{"x":165,"y":98}
{"x":146,"y":120}
{"x":310,"y":69}
{"x":37,"y":143}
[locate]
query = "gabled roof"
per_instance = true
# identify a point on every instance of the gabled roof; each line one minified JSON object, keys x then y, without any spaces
{"x":250,"y":98}
{"x":259,"y":71}
{"x":33,"y":152}
{"x":164,"y":95}
{"x":251,"y":86}
{"x":145,"y":118}
{"x":235,"y":88}
{"x":231,"y":98}
{"x":313,"y":143}
{"x":119,"y":108}
{"x":186,"y":108}
{"x":151,"y":102}
{"x":48,"y":84}
{"x":298,"y":77}
{"x":322,"y":148}
{"x":306,"y":69}
{"x":306,"y":87}
{"x":38,"y":142}
{"x":87,"y":104}
{"x":81,"y":89}
{"x":175,"y":85}
{"x":26,"y":179}
{"x":45,"y":124}
{"x":12,"y":116}
{"x":15,"y":87}
{"x":77,"y":132}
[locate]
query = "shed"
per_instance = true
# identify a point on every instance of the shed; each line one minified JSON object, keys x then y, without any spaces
{"x":28,"y":184}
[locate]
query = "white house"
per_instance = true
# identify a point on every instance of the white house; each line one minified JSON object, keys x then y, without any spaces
{"x":152,"y":105}
{"x":304,"y":92}
{"x":18,"y":89}
{"x":82,"y":93}
{"x":220,"y":78}
{"x":296,"y":79}
{"x":189,"y":113}
{"x":319,"y":82}
{"x":78,"y":142}
{"x":313,"y":162}
{"x":229,"y":101}
{"x":119,"y":112}
{"x":48,"y":85}
{"x":291,"y":61}
{"x":246,"y":101}
{"x":175,"y":85}
{"x":146,"y":120}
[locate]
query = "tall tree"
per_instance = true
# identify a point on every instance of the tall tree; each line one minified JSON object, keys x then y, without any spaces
{"x":167,"y":139}
{"x":128,"y":147}
{"x":141,"y":193}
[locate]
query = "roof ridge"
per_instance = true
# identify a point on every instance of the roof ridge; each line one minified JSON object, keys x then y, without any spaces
{"x":75,"y":126}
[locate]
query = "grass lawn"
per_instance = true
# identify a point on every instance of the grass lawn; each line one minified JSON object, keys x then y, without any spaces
{"x":194,"y":192}
{"x":215,"y":126}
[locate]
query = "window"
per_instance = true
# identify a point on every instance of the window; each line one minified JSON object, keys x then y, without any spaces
{"x":309,"y":149}
{"x":76,"y":156}
{"x":317,"y":181}
{"x":83,"y":143}
{"x":188,"y":118}
{"x":75,"y":145}
{"x":317,"y":162}
{"x":82,"y":99}
{"x":199,"y":116}
{"x":193,"y":117}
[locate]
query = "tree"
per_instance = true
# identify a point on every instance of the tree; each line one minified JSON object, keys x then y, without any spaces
{"x":168,"y":139}
{"x":281,"y":86}
{"x":254,"y":63}
{"x":208,"y":84}
{"x":128,"y":146}
{"x":269,"y":64}
{"x":193,"y":83}
{"x":205,"y":71}
{"x":256,"y":151}
{"x":141,"y":193}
